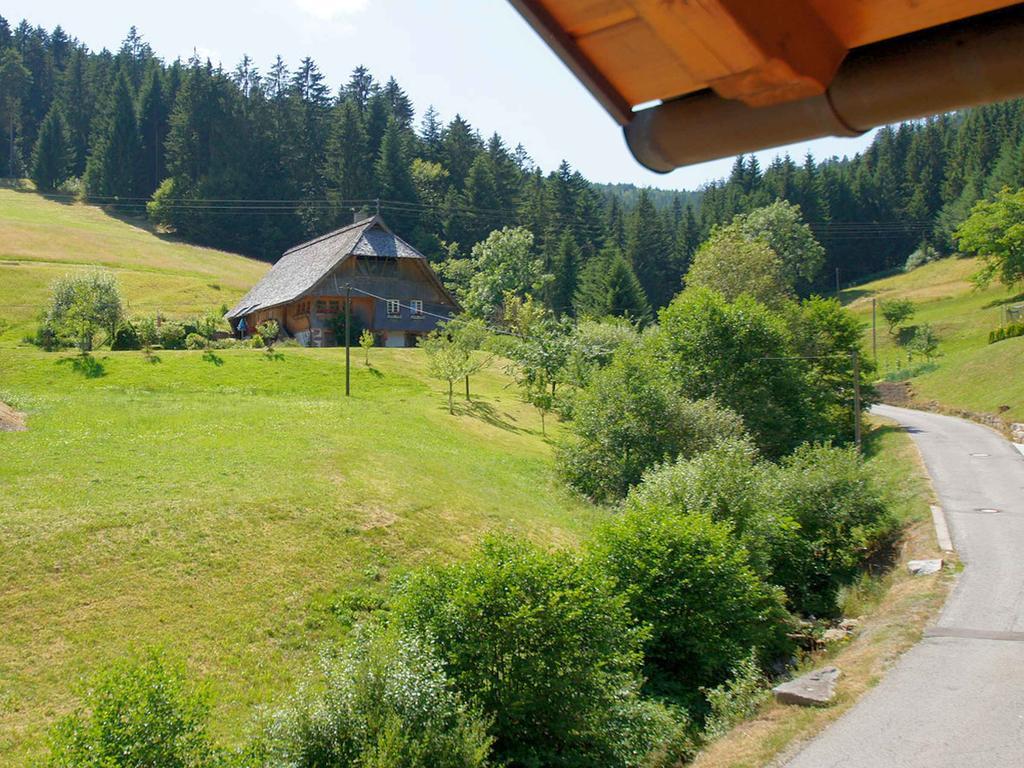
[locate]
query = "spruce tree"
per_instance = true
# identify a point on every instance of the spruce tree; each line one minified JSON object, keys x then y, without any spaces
{"x":52,"y":158}
{"x":348,"y":169}
{"x":647,"y":251}
{"x":565,"y":268}
{"x":609,"y":288}
{"x":115,"y":166}
{"x":394,"y":181}
{"x":153,"y":115}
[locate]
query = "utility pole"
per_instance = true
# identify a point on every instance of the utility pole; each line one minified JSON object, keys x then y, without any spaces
{"x":856,"y":399}
{"x":377,"y":201}
{"x":348,"y":322}
{"x":874,"y":332}
{"x":837,"y":282}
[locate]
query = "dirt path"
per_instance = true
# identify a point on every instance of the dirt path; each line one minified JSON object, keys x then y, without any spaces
{"x":10,"y":419}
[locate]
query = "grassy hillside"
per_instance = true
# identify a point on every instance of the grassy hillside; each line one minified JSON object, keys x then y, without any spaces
{"x":225,"y":505}
{"x":970,"y":373}
{"x":42,"y":240}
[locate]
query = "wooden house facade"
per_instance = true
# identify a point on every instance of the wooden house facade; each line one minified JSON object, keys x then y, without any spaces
{"x":395,"y":293}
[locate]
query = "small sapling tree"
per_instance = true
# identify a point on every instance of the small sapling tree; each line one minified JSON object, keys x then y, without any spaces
{"x":83,"y":305}
{"x":925,"y":342}
{"x":446,"y":360}
{"x":896,"y":312}
{"x":366,"y":342}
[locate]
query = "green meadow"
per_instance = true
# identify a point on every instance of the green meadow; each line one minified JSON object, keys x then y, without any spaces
{"x":969,"y":372}
{"x":234,"y":506}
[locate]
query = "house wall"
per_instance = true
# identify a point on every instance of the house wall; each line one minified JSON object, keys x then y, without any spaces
{"x":403,"y":279}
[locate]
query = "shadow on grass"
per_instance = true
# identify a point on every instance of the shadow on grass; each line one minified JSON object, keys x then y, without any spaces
{"x":87,"y":365}
{"x":375,"y":372}
{"x":850,"y":295}
{"x":1001,"y":302}
{"x":487,"y":413}
{"x":212,"y":357}
{"x":273,"y":355}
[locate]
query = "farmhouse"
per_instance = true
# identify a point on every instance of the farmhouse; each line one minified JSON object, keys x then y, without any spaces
{"x":395,"y":293}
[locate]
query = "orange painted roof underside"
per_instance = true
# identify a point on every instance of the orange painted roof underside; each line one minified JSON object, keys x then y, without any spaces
{"x":762,"y":52}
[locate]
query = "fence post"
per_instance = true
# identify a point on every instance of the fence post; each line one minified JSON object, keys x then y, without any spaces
{"x":856,"y":399}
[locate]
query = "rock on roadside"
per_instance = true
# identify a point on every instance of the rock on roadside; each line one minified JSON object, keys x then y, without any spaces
{"x":924,"y":567}
{"x":815,"y":689}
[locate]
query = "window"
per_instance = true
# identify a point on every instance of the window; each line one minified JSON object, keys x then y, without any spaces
{"x":333,"y":306}
{"x":321,"y":306}
{"x":394,"y":308}
{"x":416,"y":307}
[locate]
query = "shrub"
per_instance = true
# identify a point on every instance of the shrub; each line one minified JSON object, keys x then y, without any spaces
{"x":387,"y":702}
{"x":735,"y":700}
{"x":171,"y":335}
{"x":146,"y":328}
{"x":631,"y":418}
{"x":547,"y":649}
{"x":738,"y":353}
{"x":924,"y":254}
{"x":207,"y":325}
{"x":83,"y":305}
{"x":268,"y":330}
{"x":1011,"y":331}
{"x":843,"y":522}
{"x":256,"y":342}
{"x":196,"y":341}
{"x":45,"y":338}
{"x":731,"y":484}
{"x":690,"y":579}
{"x":138,"y":713}
{"x":125,"y":337}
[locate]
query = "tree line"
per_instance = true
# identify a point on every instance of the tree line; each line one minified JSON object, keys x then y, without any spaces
{"x":256,"y":161}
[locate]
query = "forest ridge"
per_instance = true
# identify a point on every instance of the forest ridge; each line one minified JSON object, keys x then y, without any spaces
{"x":255,"y":161}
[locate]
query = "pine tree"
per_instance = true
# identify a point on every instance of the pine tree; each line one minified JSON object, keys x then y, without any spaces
{"x":565,"y":268}
{"x":459,"y":148}
{"x":78,"y":108}
{"x":52,"y":158}
{"x":430,"y":134}
{"x":647,"y":251}
{"x":348,"y":169}
{"x":153,"y":116}
{"x":609,"y":288}
{"x":394,"y":182}
{"x":15,"y":80}
{"x":401,"y":105}
{"x":479,"y":214}
{"x":115,"y":166}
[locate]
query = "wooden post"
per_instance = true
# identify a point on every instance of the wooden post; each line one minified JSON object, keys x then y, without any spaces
{"x":874,"y":332}
{"x":856,"y":399}
{"x":837,"y":282}
{"x":348,"y":341}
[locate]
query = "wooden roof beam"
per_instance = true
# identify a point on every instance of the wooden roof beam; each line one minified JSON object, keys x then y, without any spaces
{"x":761,"y":53}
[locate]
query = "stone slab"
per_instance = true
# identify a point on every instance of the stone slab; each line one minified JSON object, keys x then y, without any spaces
{"x":815,"y":689}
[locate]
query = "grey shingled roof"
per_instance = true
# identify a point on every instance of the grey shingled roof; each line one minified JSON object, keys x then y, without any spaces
{"x":303,"y":266}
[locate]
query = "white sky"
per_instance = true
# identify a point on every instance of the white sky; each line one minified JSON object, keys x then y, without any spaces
{"x":477,"y":57}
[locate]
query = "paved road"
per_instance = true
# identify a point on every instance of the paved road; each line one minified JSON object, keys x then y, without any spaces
{"x":956,"y":698}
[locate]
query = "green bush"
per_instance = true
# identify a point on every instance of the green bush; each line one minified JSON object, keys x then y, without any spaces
{"x":737,"y":699}
{"x":45,"y":338}
{"x":924,"y":254}
{"x":268,"y":330}
{"x":256,"y":342}
{"x":1011,"y":331}
{"x":630,"y":418}
{"x":691,"y":580}
{"x":125,"y":337}
{"x":544,"y":645}
{"x":739,"y":353}
{"x":82,"y":305}
{"x":386,"y":703}
{"x":843,"y":522}
{"x":171,"y":335}
{"x":730,"y":483}
{"x":147,"y":330}
{"x":137,"y":713}
{"x":196,"y":341}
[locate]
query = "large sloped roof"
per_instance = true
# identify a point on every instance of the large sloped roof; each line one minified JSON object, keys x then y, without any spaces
{"x":731,"y":76}
{"x":304,"y":265}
